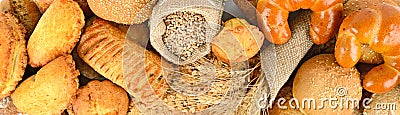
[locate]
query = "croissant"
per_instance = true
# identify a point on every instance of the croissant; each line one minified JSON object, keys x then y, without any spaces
{"x":380,"y":30}
{"x":325,"y":19}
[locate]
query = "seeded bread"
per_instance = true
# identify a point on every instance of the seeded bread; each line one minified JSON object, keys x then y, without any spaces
{"x":50,"y":91}
{"x":321,"y":77}
{"x":44,"y":4}
{"x":13,"y":58}
{"x":57,"y":32}
{"x":122,"y":11}
{"x":100,"y":98}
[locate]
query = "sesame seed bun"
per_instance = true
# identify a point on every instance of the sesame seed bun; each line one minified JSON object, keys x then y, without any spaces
{"x":322,"y":78}
{"x":122,"y":11}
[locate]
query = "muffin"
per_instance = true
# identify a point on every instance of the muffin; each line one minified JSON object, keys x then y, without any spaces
{"x":320,"y":78}
{"x":13,"y":58}
{"x":237,"y":42}
{"x":50,"y":91}
{"x":100,"y":98}
{"x":56,"y":33}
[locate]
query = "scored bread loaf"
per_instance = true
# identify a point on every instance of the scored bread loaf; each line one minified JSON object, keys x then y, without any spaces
{"x":101,"y":47}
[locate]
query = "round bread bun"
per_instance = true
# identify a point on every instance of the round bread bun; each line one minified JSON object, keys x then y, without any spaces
{"x":101,"y":98}
{"x":122,"y":11}
{"x":321,"y":78}
{"x":387,"y":100}
{"x":353,"y":5}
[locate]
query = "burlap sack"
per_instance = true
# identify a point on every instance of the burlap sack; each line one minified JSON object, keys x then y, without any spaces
{"x":210,"y":9}
{"x":279,"y":61}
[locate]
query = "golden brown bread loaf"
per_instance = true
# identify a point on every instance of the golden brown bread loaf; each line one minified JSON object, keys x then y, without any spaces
{"x":123,"y":11}
{"x":321,"y":77}
{"x":13,"y":58}
{"x":101,"y":98}
{"x":101,"y":47}
{"x":50,"y":91}
{"x":57,"y":32}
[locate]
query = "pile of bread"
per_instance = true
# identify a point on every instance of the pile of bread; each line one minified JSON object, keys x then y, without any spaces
{"x":65,"y":56}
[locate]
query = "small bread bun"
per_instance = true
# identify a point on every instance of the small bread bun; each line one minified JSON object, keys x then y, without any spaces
{"x":122,"y":11}
{"x":353,"y":5}
{"x":322,"y":78}
{"x":101,"y":98}
{"x":389,"y":101}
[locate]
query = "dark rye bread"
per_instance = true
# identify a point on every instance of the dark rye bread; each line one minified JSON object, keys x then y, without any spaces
{"x":27,"y":12}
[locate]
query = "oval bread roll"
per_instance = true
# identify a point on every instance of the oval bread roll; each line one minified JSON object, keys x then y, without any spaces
{"x":322,"y":78}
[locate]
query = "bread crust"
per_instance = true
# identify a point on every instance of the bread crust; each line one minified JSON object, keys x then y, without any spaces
{"x":320,"y":78}
{"x":100,"y":98}
{"x":51,"y":90}
{"x":13,"y":58}
{"x":122,"y":11}
{"x":57,"y":32}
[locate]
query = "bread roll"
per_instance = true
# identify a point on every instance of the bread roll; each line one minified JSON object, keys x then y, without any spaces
{"x":13,"y":59}
{"x":123,"y":11}
{"x":57,"y":32}
{"x":50,"y":91}
{"x":101,"y":98}
{"x":237,"y":42}
{"x":322,"y":78}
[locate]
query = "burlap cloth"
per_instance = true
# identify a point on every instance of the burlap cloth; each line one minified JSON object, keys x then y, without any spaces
{"x":210,"y":9}
{"x":279,"y":61}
